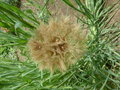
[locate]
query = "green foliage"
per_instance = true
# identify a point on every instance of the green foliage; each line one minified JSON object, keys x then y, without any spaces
{"x":41,"y":11}
{"x":16,"y":3}
{"x":99,"y":69}
{"x":15,"y":21}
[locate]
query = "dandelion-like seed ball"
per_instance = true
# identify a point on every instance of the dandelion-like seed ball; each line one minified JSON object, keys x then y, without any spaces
{"x":58,"y":44}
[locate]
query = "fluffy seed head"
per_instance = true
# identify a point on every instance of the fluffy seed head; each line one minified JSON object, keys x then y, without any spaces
{"x":58,"y":44}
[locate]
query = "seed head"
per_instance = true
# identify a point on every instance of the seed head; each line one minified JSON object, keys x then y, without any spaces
{"x":58,"y":44}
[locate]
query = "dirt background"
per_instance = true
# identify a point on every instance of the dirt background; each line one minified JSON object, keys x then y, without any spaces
{"x":58,"y":7}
